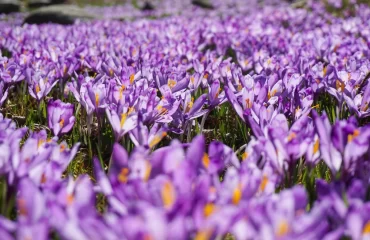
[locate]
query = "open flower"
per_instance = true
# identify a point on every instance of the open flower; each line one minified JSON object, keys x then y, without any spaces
{"x":122,"y":122}
{"x":60,"y":117}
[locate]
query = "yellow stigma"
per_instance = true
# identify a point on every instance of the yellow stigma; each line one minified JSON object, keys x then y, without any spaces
{"x":61,"y":123}
{"x":335,"y":48}
{"x":37,"y":88}
{"x":356,"y":132}
{"x":366,"y":229}
{"x":205,"y":160}
{"x":246,"y":62}
{"x":62,"y":147}
{"x":209,"y":208}
{"x":122,"y":88}
{"x":240,"y":87}
{"x":269,"y":95}
{"x":22,"y":207}
{"x":130,"y":110}
{"x":40,"y":142}
{"x":171,"y":83}
{"x":264,"y":182}
{"x":123,"y":175}
{"x":111,"y":72}
{"x":352,"y":136}
{"x":133,"y":52}
{"x":269,"y":61}
{"x":70,"y":199}
{"x":97,"y":99}
{"x":218,"y":92}
{"x":161,"y":109}
{"x":237,"y":195}
{"x":147,"y":236}
{"x":324,"y":70}
{"x":43,"y":178}
{"x":244,"y":156}
{"x":291,"y":136}
{"x":316,"y":106}
{"x":316,"y":146}
{"x":168,"y":193}
{"x":192,"y":79}
{"x":203,"y":235}
{"x":206,"y":75}
{"x":248,"y":103}
{"x":283,"y":229}
{"x":297,"y":109}
{"x":339,"y":85}
{"x":189,"y":105}
{"x":212,"y":189}
{"x":132,"y":78}
{"x":272,"y":94}
{"x":148,"y":170}
{"x":157,"y":139}
{"x":123,"y":119}
{"x":365,"y":107}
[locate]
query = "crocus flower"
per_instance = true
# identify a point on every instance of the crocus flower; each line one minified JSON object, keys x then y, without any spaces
{"x":215,"y":95}
{"x":97,"y":93}
{"x":140,"y":136}
{"x":329,"y":153}
{"x":60,"y":117}
{"x":10,"y":72}
{"x":40,"y":84}
{"x":31,"y":204}
{"x":122,"y":122}
{"x":360,"y":103}
{"x":337,"y":143}
{"x":193,"y":109}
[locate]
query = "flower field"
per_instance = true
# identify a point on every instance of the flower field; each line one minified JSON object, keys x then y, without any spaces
{"x":246,"y":121}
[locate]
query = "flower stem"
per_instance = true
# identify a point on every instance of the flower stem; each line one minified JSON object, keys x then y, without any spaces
{"x":3,"y":196}
{"x":204,"y":118}
{"x":89,"y":145}
{"x":188,"y":139}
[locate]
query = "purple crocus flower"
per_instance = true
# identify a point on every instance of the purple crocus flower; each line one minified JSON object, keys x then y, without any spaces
{"x":122,"y":122}
{"x":40,"y":84}
{"x":10,"y":71}
{"x":98,"y":94}
{"x":141,"y":136}
{"x":31,"y":204}
{"x":60,"y":117}
{"x":215,"y":96}
{"x":193,"y":109}
{"x":360,"y":103}
{"x":341,"y":144}
{"x":329,"y":153}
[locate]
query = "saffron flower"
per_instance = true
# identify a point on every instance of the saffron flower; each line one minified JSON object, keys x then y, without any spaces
{"x":60,"y":117}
